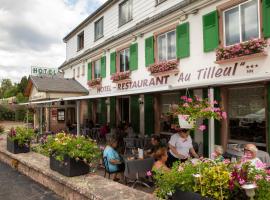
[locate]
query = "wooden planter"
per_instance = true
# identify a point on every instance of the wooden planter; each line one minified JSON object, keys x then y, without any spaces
{"x":188,"y":196}
{"x":170,"y":72}
{"x":123,"y":81}
{"x":69,"y":166}
{"x":13,"y":147}
{"x":247,"y":57}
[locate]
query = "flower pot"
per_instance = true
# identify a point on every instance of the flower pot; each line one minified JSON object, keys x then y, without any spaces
{"x":15,"y":148}
{"x":184,"y":123}
{"x":69,"y":166}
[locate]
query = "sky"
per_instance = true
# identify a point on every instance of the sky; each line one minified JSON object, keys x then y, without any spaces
{"x":32,"y":32}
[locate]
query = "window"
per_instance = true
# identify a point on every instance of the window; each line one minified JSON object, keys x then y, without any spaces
{"x":78,"y":72}
{"x":167,"y":46}
{"x":125,"y":12}
{"x":61,"y":115}
{"x":99,"y":29}
{"x":73,"y":73}
{"x":241,"y":23}
{"x":80,"y":41}
{"x":246,"y":113}
{"x":124,"y":60}
{"x":97,"y":69}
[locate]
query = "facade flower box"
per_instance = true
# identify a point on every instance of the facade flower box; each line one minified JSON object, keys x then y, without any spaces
{"x":69,"y":166}
{"x":166,"y":67}
{"x":251,"y":48}
{"x":247,"y":57}
{"x":14,"y":147}
{"x":94,"y":83}
{"x":121,"y":77}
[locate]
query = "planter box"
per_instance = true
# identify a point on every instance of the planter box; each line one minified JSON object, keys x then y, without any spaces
{"x":69,"y":167}
{"x":183,"y":123}
{"x":188,"y":196}
{"x":123,"y":80}
{"x":13,"y":147}
{"x":170,"y":72}
{"x":246,"y":57}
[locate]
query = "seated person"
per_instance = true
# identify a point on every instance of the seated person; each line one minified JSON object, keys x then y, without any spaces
{"x":250,"y":155}
{"x":114,"y":163}
{"x":154,"y":145}
{"x":130,"y":131}
{"x":218,"y":153}
{"x":161,"y":157}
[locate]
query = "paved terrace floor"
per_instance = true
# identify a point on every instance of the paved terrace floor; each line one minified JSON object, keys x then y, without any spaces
{"x":16,"y":186}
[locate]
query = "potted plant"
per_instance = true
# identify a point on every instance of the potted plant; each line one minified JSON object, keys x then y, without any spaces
{"x":18,"y":140}
{"x":71,"y":155}
{"x":163,"y":67}
{"x":94,"y":83}
{"x":120,"y":76}
{"x":190,"y":109}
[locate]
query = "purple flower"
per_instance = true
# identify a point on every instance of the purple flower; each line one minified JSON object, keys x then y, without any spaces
{"x":149,"y":173}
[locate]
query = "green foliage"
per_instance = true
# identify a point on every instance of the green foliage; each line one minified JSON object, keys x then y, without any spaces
{"x":75,"y":147}
{"x":20,"y":98}
{"x":6,"y":113}
{"x":2,"y":129}
{"x":21,"y":134}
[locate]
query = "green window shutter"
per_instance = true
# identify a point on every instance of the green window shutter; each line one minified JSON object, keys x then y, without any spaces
{"x":217,"y":97}
{"x":135,"y":110}
{"x":134,"y":57}
{"x":266,"y":18}
{"x":90,"y":109}
{"x":182,"y":40}
{"x":149,"y":117}
{"x":113,"y":112}
{"x":103,"y":67}
{"x":205,"y":132}
{"x":149,"y":51}
{"x":210,"y":31}
{"x":268,"y":118}
{"x":113,"y":63}
{"x":89,"y":75}
{"x":103,"y":114}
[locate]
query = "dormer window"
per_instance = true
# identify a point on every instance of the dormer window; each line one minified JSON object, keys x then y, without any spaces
{"x":80,"y":41}
{"x":99,"y":29}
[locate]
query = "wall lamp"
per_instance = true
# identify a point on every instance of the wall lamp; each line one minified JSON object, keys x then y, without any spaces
{"x":140,"y":100}
{"x":107,"y":101}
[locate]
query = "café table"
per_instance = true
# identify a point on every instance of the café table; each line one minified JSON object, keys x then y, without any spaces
{"x":136,"y":169}
{"x":262,"y":155}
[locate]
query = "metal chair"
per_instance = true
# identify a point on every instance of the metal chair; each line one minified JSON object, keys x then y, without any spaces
{"x":129,"y":143}
{"x":106,"y":167}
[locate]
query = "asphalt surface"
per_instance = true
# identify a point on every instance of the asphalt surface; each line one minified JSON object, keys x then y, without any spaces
{"x":16,"y":186}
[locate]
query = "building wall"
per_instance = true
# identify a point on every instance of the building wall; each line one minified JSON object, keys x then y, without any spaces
{"x":141,"y":10}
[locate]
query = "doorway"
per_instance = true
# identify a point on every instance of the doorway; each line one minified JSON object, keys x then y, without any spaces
{"x":124,"y":105}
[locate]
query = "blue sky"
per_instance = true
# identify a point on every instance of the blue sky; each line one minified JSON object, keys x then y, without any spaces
{"x":31,"y":32}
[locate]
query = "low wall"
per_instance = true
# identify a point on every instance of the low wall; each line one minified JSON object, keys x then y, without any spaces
{"x":89,"y":186}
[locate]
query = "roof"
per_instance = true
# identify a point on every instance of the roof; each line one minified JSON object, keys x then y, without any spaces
{"x":55,"y":84}
{"x":88,"y":19}
{"x":129,"y":31}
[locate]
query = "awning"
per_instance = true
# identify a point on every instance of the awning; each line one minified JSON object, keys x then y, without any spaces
{"x":122,"y":93}
{"x":41,"y":102}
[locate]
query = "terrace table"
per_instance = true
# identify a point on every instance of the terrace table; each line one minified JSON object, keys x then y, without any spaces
{"x":136,"y":169}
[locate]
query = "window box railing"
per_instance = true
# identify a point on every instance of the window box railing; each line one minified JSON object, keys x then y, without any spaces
{"x":251,"y":48}
{"x":165,"y":67}
{"x":94,"y":83}
{"x":120,"y":76}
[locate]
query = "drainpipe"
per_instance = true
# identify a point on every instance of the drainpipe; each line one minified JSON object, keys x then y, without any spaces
{"x":78,"y":116}
{"x":211,"y":127}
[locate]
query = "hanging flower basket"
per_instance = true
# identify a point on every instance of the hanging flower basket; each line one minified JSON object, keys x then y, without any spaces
{"x":255,"y":46}
{"x":120,"y":76}
{"x":164,"y":67}
{"x":189,"y":110}
{"x":94,"y":83}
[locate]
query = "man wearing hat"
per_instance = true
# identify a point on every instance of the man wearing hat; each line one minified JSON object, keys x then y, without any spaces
{"x":180,"y":146}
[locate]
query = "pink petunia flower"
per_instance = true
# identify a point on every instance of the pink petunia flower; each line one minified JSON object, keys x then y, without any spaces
{"x":242,"y":181}
{"x":258,"y":177}
{"x":202,"y":127}
{"x":149,"y":173}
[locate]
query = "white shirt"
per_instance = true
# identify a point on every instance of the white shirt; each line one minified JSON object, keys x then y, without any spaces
{"x":182,"y":145}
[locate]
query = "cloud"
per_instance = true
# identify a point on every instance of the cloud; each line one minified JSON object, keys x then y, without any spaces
{"x":31,"y":32}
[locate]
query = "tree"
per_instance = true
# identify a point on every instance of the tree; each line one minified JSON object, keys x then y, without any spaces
{"x":6,"y":84}
{"x":22,"y":85}
{"x":20,"y":98}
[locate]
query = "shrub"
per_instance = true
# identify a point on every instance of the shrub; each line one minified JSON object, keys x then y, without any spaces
{"x":21,"y":134}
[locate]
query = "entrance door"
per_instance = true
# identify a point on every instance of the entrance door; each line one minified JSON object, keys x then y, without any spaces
{"x":124,"y":109}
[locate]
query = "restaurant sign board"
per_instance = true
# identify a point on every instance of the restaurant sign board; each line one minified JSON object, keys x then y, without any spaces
{"x":41,"y":71}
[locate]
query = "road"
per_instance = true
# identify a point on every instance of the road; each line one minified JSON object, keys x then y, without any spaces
{"x":15,"y":186}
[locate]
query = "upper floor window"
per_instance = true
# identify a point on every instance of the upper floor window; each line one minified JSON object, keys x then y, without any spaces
{"x":80,"y":41}
{"x":124,"y":60}
{"x":125,"y":12}
{"x":99,"y":29}
{"x":166,"y":45}
{"x":241,"y":23}
{"x":78,"y":72}
{"x":73,"y":73}
{"x":97,"y":68}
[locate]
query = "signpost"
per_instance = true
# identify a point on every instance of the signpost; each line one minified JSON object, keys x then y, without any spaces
{"x":39,"y":71}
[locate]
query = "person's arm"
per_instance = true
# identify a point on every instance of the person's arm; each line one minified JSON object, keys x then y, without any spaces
{"x":115,"y":162}
{"x":173,"y":149}
{"x":193,"y":152}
